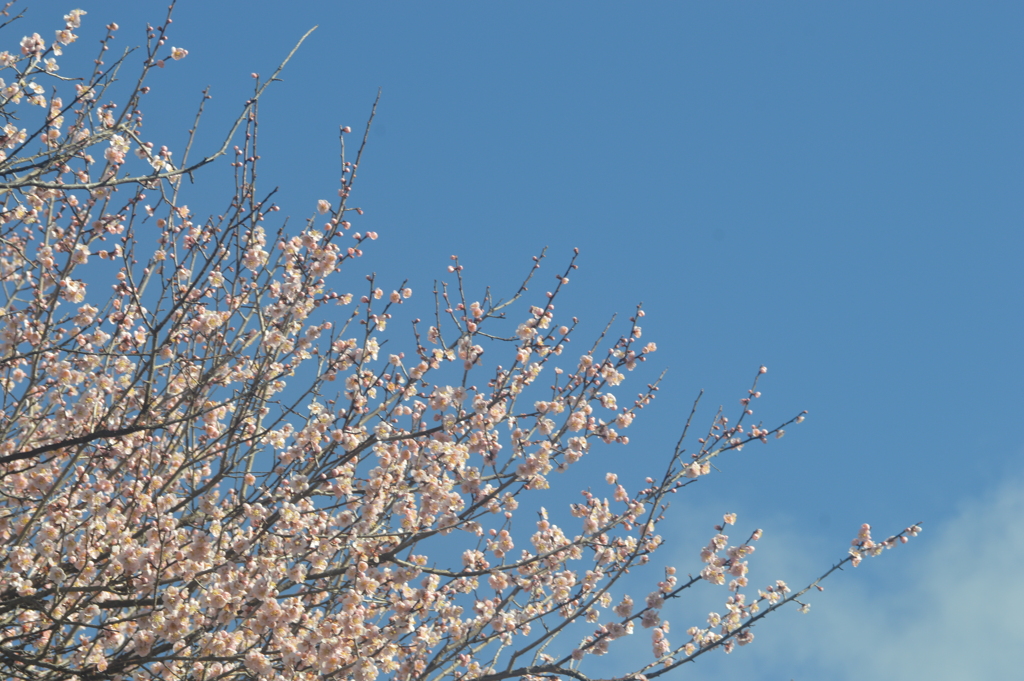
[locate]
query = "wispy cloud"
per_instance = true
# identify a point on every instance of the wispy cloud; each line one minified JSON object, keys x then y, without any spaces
{"x":946,"y":610}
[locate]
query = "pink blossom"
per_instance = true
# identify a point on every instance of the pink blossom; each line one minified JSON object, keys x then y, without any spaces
{"x":32,"y":44}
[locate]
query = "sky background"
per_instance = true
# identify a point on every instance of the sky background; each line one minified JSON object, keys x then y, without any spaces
{"x":833,"y":190}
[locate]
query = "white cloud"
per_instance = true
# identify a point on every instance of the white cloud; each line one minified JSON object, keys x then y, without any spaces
{"x":944,"y":607}
{"x":948,"y":609}
{"x":957,"y":614}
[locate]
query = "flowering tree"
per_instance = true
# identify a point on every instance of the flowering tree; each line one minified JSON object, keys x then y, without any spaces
{"x":203,"y":476}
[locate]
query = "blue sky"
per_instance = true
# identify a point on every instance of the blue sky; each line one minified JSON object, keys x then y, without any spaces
{"x":833,"y":190}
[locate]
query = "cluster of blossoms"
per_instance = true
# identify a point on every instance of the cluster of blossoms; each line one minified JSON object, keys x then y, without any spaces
{"x":205,"y":474}
{"x":864,"y":545}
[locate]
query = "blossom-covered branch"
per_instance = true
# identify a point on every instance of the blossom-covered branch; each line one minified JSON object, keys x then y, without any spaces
{"x":210,"y":467}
